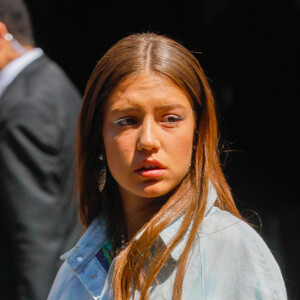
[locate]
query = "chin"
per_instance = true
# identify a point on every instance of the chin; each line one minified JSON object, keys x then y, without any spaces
{"x":154,"y":191}
{"x":152,"y":194}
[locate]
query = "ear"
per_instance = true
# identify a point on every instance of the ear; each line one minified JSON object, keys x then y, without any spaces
{"x":3,"y":32}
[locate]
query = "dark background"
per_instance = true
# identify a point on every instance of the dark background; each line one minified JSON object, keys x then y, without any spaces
{"x":249,"y":50}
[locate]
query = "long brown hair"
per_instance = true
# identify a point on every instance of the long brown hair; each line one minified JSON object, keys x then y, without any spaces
{"x":164,"y":57}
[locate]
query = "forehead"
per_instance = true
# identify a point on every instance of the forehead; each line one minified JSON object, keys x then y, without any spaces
{"x":147,"y":90}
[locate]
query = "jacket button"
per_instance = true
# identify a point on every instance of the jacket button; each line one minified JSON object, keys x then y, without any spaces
{"x":79,"y":259}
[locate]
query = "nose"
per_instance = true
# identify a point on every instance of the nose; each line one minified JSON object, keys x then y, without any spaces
{"x":148,"y":139}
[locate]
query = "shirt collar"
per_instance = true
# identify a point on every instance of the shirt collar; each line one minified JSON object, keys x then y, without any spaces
{"x":15,"y":67}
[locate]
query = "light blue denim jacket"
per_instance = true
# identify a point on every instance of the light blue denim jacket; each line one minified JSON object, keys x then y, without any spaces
{"x":229,"y":261}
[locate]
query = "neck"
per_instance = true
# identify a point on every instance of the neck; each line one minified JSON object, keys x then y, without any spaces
{"x":138,"y":210}
{"x":9,"y":54}
{"x":8,"y":57}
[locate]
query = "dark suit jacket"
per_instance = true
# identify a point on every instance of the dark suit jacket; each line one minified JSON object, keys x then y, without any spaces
{"x":38,"y":219}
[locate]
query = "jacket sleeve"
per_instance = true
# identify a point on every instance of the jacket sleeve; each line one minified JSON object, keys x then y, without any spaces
{"x":31,"y":173}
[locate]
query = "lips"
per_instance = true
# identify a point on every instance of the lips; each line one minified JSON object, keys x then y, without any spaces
{"x":150,"y":169}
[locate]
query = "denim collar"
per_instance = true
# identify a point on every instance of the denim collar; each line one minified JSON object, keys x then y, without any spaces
{"x":88,"y":246}
{"x":171,"y":230}
{"x":96,"y":235}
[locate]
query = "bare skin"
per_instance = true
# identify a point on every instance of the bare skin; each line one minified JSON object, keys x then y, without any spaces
{"x":7,"y":52}
{"x":148,"y":131}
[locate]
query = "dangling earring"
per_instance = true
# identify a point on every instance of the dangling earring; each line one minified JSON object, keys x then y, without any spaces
{"x":102,"y":175}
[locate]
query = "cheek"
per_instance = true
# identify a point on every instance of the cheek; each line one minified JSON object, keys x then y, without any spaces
{"x":182,"y":149}
{"x":182,"y":145}
{"x":119,"y":152}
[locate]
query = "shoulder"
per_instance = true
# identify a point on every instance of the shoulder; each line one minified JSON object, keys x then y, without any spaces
{"x":235,"y":256}
{"x":81,"y":275}
{"x":50,"y":74}
{"x":67,"y":285}
{"x":45,"y":68}
{"x":235,"y":236}
{"x":63,"y":278}
{"x":43,"y":94}
{"x":221,"y":224}
{"x":224,"y":228}
{"x":42,"y":83}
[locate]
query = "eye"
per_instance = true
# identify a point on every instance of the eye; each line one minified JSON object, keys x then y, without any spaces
{"x":171,"y":120}
{"x":126,"y":121}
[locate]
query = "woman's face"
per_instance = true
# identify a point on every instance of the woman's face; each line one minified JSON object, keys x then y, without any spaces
{"x":148,"y":131}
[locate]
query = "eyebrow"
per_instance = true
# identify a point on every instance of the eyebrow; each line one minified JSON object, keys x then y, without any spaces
{"x":135,"y":108}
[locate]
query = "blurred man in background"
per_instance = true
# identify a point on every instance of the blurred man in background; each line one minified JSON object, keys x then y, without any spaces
{"x":39,"y":107}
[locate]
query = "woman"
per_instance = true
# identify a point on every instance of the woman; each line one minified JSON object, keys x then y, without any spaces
{"x":161,"y":222}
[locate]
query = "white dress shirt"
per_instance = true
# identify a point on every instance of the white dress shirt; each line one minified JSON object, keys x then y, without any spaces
{"x":15,"y":67}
